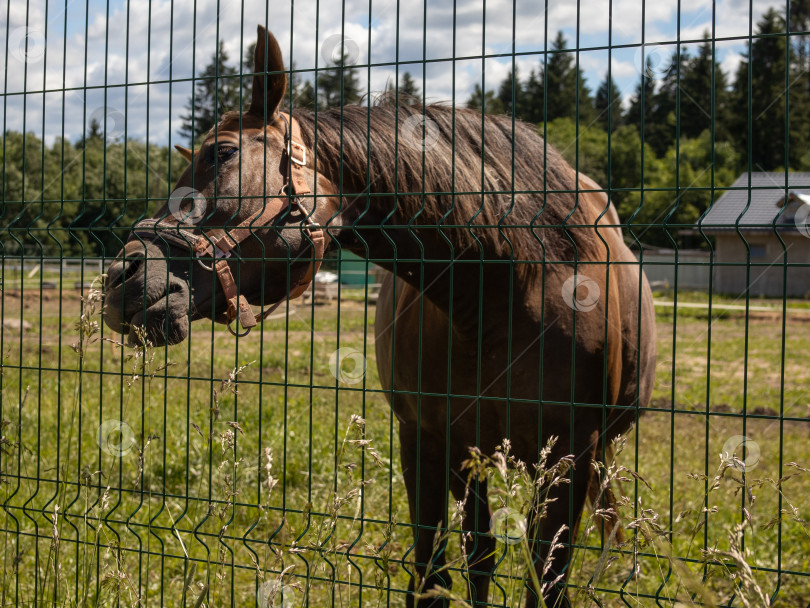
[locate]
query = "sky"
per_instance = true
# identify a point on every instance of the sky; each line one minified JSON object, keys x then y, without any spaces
{"x":133,"y":61}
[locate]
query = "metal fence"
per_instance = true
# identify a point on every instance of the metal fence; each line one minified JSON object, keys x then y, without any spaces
{"x":515,"y":416}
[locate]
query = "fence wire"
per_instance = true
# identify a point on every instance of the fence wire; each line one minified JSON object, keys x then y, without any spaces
{"x":551,"y":353}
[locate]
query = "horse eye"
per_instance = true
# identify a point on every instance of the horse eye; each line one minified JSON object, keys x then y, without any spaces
{"x":225,"y":152}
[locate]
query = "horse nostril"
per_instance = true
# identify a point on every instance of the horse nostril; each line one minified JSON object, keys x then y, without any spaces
{"x":127,"y":271}
{"x":132,"y":267}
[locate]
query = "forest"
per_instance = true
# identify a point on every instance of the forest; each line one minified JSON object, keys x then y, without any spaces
{"x":665,"y":153}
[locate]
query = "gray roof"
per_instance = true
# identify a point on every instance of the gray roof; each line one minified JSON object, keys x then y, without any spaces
{"x":766,"y":193}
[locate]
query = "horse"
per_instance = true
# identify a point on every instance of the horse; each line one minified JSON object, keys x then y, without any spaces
{"x":512,"y":307}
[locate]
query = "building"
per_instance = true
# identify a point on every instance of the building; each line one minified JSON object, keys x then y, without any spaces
{"x":766,"y":221}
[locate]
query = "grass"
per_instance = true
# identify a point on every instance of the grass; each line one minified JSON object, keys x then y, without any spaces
{"x":220,"y":472}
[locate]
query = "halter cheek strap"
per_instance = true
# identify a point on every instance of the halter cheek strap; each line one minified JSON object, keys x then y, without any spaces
{"x":219,"y":243}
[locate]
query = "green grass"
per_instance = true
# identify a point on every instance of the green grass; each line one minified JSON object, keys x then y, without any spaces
{"x":189,"y":511}
{"x":704,"y":297}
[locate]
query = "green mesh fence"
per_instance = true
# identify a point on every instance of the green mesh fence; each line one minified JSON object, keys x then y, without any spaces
{"x":457,"y":303}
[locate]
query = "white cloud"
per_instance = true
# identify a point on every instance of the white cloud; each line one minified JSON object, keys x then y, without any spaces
{"x":138,"y":46}
{"x":730,"y":63}
{"x":623,"y":69}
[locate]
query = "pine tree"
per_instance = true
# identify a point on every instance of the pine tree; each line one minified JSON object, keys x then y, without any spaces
{"x":800,"y":22}
{"x":491,"y":103}
{"x":557,"y":82}
{"x":510,"y":94}
{"x":562,"y":82}
{"x":696,"y":94}
{"x":339,"y":85}
{"x":304,"y":95}
{"x":642,"y":100}
{"x":800,"y":91}
{"x":216,"y":92}
{"x":660,"y":130}
{"x":768,"y":71}
{"x":532,"y":98}
{"x":408,"y":85}
{"x":94,"y":134}
{"x":247,"y":81}
{"x":408,"y":93}
{"x":608,"y":105}
{"x":584,"y":105}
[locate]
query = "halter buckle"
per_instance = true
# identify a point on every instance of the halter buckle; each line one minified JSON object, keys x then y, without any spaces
{"x":300,"y":148}
{"x":218,"y":255}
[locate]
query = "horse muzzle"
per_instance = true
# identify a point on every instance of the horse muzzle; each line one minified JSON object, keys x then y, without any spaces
{"x":143,"y":299}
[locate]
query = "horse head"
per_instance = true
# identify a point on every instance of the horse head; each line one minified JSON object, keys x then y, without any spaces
{"x":241,"y":227}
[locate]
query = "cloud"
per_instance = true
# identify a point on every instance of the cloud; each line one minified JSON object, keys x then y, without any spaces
{"x":730,"y":64}
{"x":624,"y":69}
{"x":140,"y":62}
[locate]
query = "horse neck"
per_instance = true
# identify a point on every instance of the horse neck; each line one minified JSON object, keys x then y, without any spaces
{"x":450,"y":266}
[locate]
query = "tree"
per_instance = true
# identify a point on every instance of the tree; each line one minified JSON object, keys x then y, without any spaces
{"x":304,"y":95}
{"x":94,"y":132}
{"x":800,"y":91}
{"x":767,"y":69}
{"x":487,"y":103}
{"x":696,"y":94}
{"x":642,"y":99}
{"x":216,"y":92}
{"x":564,"y":84}
{"x":661,"y":120}
{"x":532,"y":98}
{"x":408,"y":85}
{"x":800,"y":22}
{"x":247,"y":81}
{"x":626,"y":170}
{"x":586,"y":150}
{"x":510,"y":94}
{"x":339,"y":85}
{"x":103,"y":190}
{"x":95,"y":129}
{"x":408,"y":92}
{"x":608,"y":104}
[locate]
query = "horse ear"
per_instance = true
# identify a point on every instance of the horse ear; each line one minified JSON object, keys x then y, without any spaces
{"x":268,"y":89}
{"x":185,"y":152}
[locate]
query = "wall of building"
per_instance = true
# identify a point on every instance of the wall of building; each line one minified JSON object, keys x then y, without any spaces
{"x":691,"y":267}
{"x":767,"y":275}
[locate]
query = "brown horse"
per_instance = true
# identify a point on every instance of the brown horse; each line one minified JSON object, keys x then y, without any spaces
{"x":514,"y":308}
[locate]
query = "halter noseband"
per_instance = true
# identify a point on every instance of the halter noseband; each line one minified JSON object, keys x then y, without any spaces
{"x":219,"y":243}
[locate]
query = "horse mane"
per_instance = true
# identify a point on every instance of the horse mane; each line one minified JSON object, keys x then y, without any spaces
{"x":357,"y":143}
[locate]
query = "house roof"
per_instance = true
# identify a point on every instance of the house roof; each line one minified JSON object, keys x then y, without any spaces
{"x":767,"y":193}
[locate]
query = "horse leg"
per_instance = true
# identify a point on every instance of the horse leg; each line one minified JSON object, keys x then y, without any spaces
{"x":479,"y":545}
{"x":565,"y":509}
{"x":423,"y":469}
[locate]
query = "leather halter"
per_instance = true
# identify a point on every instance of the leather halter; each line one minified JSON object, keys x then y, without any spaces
{"x":219,"y":243}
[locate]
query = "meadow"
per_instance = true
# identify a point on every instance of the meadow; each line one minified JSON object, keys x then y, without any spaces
{"x":224,"y":472}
